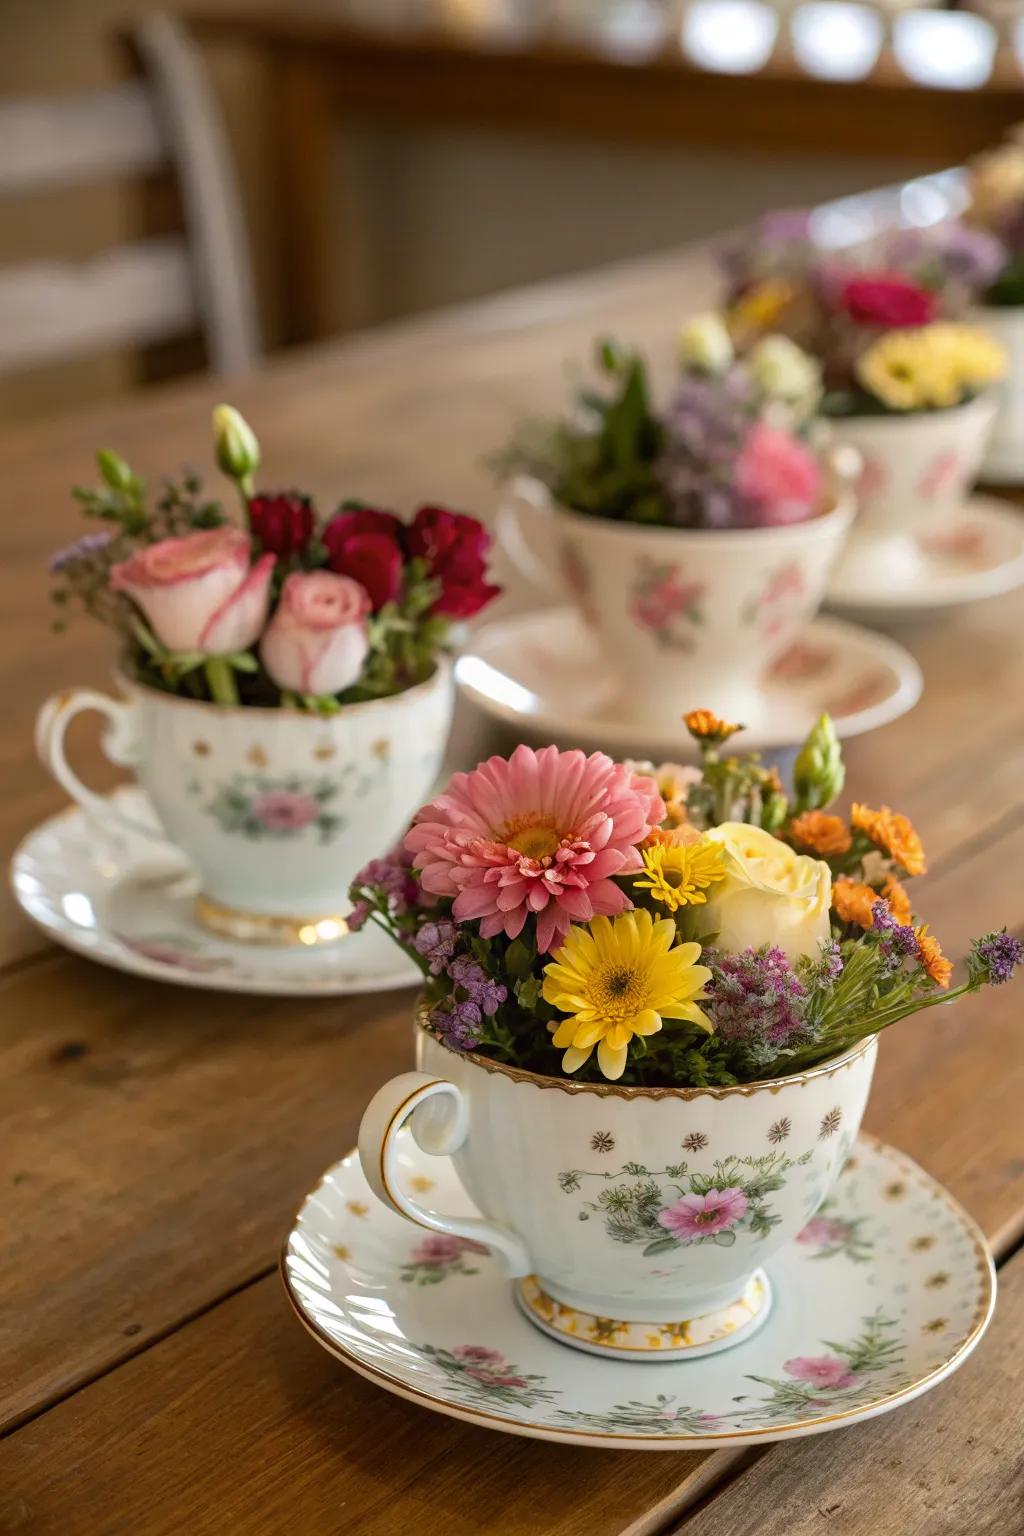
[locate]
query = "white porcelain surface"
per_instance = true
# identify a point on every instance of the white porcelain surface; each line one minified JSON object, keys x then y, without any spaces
{"x":527,"y":1150}
{"x":538,"y":672}
{"x":882,"y":1296}
{"x":916,"y":471}
{"x":976,"y":552}
{"x":1004,"y":457}
{"x":680,"y":615}
{"x":276,"y":810}
{"x":126,"y":900}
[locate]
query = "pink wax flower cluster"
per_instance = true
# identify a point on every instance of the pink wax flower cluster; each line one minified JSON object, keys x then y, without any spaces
{"x":287,"y":609}
{"x":540,"y":833}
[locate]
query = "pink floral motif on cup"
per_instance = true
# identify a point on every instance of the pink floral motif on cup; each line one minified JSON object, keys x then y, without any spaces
{"x":772,"y":608}
{"x":940,"y":475}
{"x":968,"y":545}
{"x":667,"y":605}
{"x":259,"y":808}
{"x":576,"y":576}
{"x":872,"y":480}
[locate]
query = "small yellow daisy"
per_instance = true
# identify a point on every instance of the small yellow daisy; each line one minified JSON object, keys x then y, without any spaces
{"x":617,"y":978}
{"x":678,"y":874}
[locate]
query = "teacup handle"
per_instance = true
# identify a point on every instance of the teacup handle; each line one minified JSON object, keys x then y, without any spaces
{"x":440,"y":1125}
{"x":526,"y":536}
{"x":119,"y":745}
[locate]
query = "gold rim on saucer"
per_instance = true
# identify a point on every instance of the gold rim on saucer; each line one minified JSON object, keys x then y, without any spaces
{"x":269,"y":928}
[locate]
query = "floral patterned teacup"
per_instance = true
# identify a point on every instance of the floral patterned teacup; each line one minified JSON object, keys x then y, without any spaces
{"x":277,"y":810}
{"x":681,"y":615}
{"x":647,"y":1211}
{"x":915,"y":472}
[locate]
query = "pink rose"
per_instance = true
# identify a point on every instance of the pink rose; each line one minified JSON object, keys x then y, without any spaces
{"x":778,"y":475}
{"x":198,"y":593}
{"x":316,"y":641}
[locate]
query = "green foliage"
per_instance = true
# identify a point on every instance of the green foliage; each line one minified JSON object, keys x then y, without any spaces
{"x":1008,"y":289}
{"x":603,"y":463}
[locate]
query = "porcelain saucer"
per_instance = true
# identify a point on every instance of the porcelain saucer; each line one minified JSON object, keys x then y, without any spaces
{"x":979,"y":553}
{"x":128,"y":902}
{"x":537,"y":672}
{"x":885,"y":1293}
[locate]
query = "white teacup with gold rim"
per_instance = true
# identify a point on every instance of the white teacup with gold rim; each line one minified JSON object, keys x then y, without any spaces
{"x":275,"y":808}
{"x":635,"y":1221}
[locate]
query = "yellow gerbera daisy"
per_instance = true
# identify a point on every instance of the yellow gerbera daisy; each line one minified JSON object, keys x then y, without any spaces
{"x":617,"y":978}
{"x":678,"y":874}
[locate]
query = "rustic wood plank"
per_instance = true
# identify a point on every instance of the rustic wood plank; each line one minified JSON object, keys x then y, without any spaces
{"x":240,"y":1423}
{"x":949,"y":1464}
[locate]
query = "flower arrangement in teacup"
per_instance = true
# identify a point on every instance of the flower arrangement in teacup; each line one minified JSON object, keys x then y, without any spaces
{"x":288,"y":693}
{"x":662,"y":986}
{"x":694,"y":535}
{"x":285,"y":609}
{"x":907,"y":382}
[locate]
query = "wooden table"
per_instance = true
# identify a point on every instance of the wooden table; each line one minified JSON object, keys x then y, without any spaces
{"x":156,"y":1140}
{"x":327,"y":77}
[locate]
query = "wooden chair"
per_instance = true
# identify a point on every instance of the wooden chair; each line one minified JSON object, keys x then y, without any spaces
{"x":155,"y":289}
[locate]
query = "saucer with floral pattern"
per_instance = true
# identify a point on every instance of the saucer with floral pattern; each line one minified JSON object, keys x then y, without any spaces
{"x":884,"y":1294}
{"x":127,"y":901}
{"x":976,"y":553}
{"x":540,"y":673}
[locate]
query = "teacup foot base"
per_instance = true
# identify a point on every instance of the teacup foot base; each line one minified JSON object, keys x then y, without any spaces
{"x":269,"y":928}
{"x":618,"y":1339}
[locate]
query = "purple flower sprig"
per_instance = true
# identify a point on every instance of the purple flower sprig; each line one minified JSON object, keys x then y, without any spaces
{"x":459,"y":1017}
{"x":387,"y":890}
{"x":899,"y":941}
{"x":758,"y":1003}
{"x":994,"y":958}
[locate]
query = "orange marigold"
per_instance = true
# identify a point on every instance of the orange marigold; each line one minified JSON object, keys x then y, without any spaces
{"x":892,"y":832}
{"x":899,"y":902}
{"x":821,"y":833}
{"x":706,"y":726}
{"x":934,"y":961}
{"x":852,"y":901}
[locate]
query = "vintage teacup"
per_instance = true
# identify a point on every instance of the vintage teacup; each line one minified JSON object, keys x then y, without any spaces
{"x":635,"y":1220}
{"x":277,"y":810}
{"x":915,"y":472}
{"x":681,"y":615}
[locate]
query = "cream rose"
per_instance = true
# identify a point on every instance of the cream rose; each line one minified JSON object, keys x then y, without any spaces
{"x":770,"y":895}
{"x":705,"y":344}
{"x":198,"y":593}
{"x":316,"y":642}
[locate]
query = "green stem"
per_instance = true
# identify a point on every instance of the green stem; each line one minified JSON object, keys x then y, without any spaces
{"x":220,"y":680}
{"x":246,"y":491}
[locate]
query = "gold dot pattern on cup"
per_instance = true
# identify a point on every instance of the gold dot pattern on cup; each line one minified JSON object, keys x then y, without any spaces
{"x":324,"y":752}
{"x":922,"y":1244}
{"x":895,"y":1190}
{"x":420,"y":1183}
{"x":937,"y":1281}
{"x":357,"y":1208}
{"x":257,"y":757}
{"x":381,"y":749}
{"x":201,"y":748}
{"x":341,"y":1252}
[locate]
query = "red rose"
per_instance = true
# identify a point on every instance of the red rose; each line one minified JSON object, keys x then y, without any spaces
{"x":455,"y":550}
{"x":366,"y":545}
{"x":886,"y":299}
{"x":283,"y":523}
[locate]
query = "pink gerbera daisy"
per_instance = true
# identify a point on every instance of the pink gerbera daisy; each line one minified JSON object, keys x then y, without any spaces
{"x":541,"y":832}
{"x":703,"y":1215}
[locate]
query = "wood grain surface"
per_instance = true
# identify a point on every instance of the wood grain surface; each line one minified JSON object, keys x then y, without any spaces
{"x":157,"y":1139}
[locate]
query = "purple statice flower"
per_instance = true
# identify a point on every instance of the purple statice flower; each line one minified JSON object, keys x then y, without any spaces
{"x":457,"y":1025}
{"x":900,"y":941}
{"x":757,"y":1001}
{"x":436,"y":943}
{"x":954,"y":252}
{"x":393,"y":876}
{"x":705,"y":427}
{"x":482,"y":989}
{"x":89,"y":544}
{"x":1000,"y":954}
